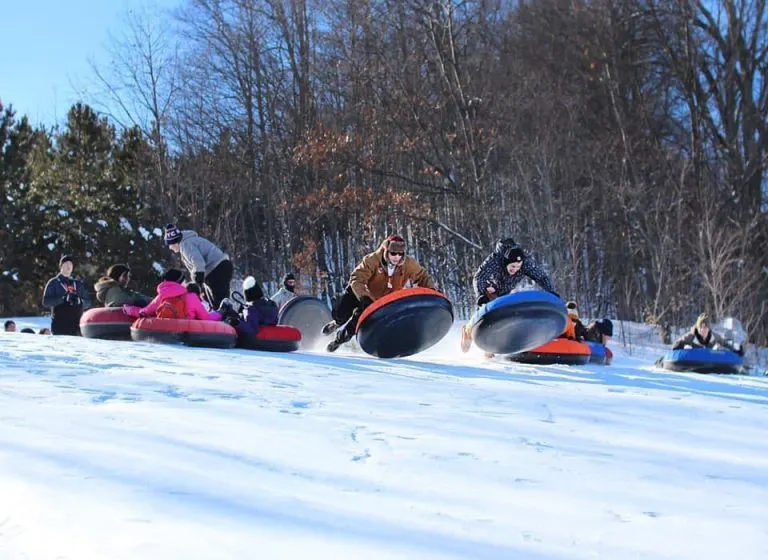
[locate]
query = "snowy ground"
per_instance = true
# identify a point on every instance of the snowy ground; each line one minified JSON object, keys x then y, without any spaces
{"x":127,"y":450}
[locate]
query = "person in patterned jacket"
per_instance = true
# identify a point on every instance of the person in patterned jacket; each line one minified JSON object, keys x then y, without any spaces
{"x":500,"y":273}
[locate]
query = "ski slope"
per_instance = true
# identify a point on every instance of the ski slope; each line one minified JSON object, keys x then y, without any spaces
{"x":114,"y":450}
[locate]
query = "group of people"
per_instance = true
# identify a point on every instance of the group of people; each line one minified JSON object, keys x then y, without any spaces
{"x":10,"y":327}
{"x":388,"y":269}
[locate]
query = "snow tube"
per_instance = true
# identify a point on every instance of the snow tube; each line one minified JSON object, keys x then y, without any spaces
{"x":207,"y":334}
{"x":106,"y":322}
{"x":404,"y":323}
{"x":599,"y":354}
{"x":518,"y":322}
{"x":272,"y":338}
{"x":703,"y":360}
{"x":558,"y":351}
{"x":309,"y":315}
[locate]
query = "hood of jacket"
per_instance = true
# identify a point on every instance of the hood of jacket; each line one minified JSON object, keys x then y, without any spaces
{"x":188,"y":234}
{"x":105,"y":284}
{"x":167,"y":289}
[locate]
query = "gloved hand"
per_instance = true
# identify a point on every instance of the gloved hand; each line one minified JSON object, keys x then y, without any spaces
{"x":738,"y":348}
{"x":482,"y":300}
{"x":132,"y":311}
{"x":199,"y":278}
{"x":72,"y":299}
{"x":365,"y":301}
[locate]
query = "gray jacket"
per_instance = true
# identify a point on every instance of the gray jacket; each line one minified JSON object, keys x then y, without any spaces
{"x":200,"y":255}
{"x":282,"y":296}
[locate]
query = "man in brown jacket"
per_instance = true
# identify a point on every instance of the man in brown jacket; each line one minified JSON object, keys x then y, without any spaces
{"x":380,"y":273}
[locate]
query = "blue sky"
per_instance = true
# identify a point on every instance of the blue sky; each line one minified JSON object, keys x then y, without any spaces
{"x":45,"y":47}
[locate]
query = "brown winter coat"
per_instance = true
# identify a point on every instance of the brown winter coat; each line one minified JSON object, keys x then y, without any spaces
{"x":370,"y":277}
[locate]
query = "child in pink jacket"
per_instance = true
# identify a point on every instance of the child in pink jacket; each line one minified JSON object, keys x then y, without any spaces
{"x":173,"y":299}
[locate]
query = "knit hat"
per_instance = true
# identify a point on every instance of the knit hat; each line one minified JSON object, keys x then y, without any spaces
{"x":252,"y":290}
{"x":66,"y":258}
{"x":395,"y":244}
{"x":703,"y":319}
{"x":513,"y":255}
{"x":573,"y":309}
{"x":174,"y":275}
{"x":287,"y":277}
{"x":117,"y":270}
{"x":605,"y":327}
{"x":173,"y":235}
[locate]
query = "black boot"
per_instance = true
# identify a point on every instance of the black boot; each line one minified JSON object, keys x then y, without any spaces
{"x":341,"y":337}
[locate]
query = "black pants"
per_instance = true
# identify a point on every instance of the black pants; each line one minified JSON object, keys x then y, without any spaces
{"x":217,"y":283}
{"x":65,"y":320}
{"x":348,"y":308}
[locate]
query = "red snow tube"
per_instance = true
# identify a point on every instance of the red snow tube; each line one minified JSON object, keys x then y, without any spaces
{"x":272,"y":338}
{"x":404,"y":322}
{"x":558,"y":351}
{"x":208,"y":334}
{"x":106,"y":322}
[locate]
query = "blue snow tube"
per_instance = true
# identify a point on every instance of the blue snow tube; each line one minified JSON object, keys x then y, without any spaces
{"x":703,"y":360}
{"x":518,"y":322}
{"x":598,"y":353}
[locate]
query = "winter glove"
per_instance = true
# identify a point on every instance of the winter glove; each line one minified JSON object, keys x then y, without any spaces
{"x":365,"y":301}
{"x":132,"y":311}
{"x":482,"y":300}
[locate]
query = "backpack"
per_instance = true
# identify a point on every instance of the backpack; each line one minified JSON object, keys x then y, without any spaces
{"x":173,"y":308}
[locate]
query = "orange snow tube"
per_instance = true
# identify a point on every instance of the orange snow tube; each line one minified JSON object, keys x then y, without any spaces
{"x":558,"y":351}
{"x":109,"y":323}
{"x":207,"y":334}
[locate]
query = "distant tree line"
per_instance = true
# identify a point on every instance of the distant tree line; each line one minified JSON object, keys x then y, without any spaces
{"x":623,"y":141}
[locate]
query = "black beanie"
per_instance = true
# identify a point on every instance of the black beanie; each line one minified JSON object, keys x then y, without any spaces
{"x":287,"y":277}
{"x":117,"y":270}
{"x":513,"y":254}
{"x":66,"y":258}
{"x":252,"y":290}
{"x":174,"y":275}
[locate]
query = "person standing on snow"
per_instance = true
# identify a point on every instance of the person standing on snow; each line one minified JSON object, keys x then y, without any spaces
{"x":209,"y":267}
{"x":286,"y":293}
{"x":112,"y":289}
{"x":382,"y":272}
{"x":500,"y":273}
{"x":67,"y":298}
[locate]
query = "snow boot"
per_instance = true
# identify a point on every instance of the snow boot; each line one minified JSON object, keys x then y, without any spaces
{"x":341,"y":337}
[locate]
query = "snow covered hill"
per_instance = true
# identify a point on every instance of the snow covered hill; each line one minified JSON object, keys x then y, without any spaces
{"x":126,"y":450}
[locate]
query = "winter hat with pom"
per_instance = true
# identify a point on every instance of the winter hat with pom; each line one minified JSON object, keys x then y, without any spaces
{"x":251,"y":289}
{"x":173,"y":235}
{"x":395,"y":244}
{"x":573,"y":309}
{"x":117,"y":270}
{"x":174,"y":275}
{"x":513,"y":255}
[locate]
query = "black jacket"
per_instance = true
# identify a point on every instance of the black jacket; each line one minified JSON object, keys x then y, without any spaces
{"x":67,"y":298}
{"x":492,"y":272}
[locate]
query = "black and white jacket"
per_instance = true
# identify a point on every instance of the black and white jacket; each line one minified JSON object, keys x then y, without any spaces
{"x":492,"y":272}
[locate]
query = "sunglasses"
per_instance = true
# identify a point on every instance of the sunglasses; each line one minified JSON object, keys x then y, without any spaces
{"x":396,"y":254}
